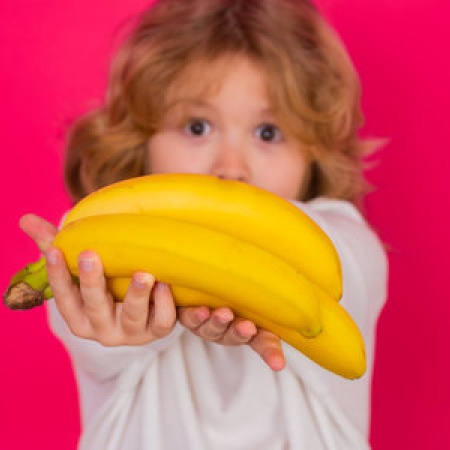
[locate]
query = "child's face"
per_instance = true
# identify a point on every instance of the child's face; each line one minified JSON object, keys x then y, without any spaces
{"x":232,"y":133}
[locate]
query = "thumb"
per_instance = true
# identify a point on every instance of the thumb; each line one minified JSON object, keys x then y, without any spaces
{"x":38,"y":229}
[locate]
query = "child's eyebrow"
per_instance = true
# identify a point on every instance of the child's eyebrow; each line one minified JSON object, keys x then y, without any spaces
{"x":269,"y":111}
{"x":187,"y":102}
{"x":183,"y":105}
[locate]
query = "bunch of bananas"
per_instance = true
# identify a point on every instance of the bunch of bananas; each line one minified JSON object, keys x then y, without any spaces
{"x":217,"y":243}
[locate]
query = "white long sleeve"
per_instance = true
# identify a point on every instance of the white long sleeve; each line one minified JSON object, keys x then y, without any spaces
{"x":184,"y":393}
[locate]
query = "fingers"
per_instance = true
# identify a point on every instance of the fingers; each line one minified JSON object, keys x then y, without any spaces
{"x":98,"y":303}
{"x":66,"y":293}
{"x":193,"y":317}
{"x":38,"y":229}
{"x":164,"y":313}
{"x":211,"y":326}
{"x":216,"y":327}
{"x":148,"y":311}
{"x":268,"y":346}
{"x":134,"y":311}
{"x":219,"y":325}
{"x":88,"y":308}
{"x":242,"y":332}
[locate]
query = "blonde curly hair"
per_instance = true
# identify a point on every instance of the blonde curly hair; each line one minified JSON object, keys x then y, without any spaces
{"x":313,"y":84}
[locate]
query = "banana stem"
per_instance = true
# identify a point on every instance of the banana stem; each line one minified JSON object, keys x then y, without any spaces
{"x":29,"y":287}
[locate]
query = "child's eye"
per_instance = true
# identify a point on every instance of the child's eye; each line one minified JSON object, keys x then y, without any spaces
{"x":197,"y":127}
{"x":268,"y":133}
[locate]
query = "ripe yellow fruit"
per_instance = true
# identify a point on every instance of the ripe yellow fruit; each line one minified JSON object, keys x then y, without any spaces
{"x":185,"y":254}
{"x":339,"y":348}
{"x":216,"y":243}
{"x":239,"y":209}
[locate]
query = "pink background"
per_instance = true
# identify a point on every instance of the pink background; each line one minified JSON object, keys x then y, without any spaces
{"x":53,"y":59}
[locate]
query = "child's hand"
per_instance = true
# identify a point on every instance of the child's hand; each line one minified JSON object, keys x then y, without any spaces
{"x":222,"y":327}
{"x":147,"y":313}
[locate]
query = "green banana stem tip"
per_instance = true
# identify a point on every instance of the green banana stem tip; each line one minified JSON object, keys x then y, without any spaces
{"x":29,"y":287}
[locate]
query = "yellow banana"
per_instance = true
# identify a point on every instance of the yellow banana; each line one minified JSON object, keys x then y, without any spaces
{"x":186,"y":254}
{"x":339,"y":348}
{"x":217,"y":243}
{"x":241,"y":210}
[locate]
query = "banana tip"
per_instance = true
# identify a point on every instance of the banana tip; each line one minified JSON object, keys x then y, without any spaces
{"x":22,"y":296}
{"x":311,"y":332}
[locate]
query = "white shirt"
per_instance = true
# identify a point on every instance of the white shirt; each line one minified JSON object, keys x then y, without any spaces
{"x":182,"y":393}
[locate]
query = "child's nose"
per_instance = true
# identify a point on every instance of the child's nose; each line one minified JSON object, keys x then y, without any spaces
{"x":231,"y":163}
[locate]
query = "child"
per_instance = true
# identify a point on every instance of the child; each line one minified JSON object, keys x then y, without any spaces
{"x":258,"y":91}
